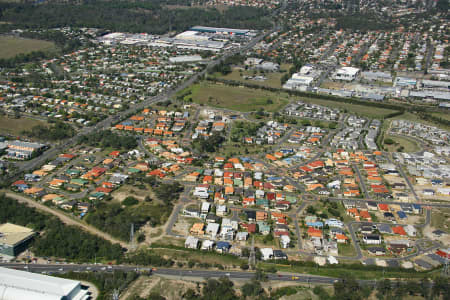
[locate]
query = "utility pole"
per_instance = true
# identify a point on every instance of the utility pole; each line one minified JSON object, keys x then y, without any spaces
{"x":132,"y":236}
{"x":252,"y":257}
{"x":115,"y":295}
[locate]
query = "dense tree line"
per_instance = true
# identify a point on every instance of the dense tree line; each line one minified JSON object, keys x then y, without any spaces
{"x":105,"y":282}
{"x":106,"y":138}
{"x":116,"y":219}
{"x":57,"y":239}
{"x":363,"y":22}
{"x":208,"y":144}
{"x":136,"y":16}
{"x":57,"y":131}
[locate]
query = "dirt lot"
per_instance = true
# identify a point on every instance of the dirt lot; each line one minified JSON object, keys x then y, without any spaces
{"x":183,"y":225}
{"x":127,"y":190}
{"x":420,"y":188}
{"x":168,"y":288}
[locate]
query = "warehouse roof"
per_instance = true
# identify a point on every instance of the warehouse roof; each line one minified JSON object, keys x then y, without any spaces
{"x":22,"y":283}
{"x":11,"y":234}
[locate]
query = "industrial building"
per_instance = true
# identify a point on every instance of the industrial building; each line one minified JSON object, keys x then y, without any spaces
{"x":14,"y":239}
{"x":23,"y":150}
{"x":16,"y":285}
{"x":220,"y":30}
{"x":346,"y":73}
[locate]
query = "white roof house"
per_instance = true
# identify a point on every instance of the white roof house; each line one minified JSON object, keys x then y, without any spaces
{"x":16,"y":284}
{"x":267,"y":253}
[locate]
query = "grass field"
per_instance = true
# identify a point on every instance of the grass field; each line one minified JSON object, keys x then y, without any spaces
{"x":11,"y":46}
{"x":273,"y":78}
{"x":362,"y":110}
{"x":409,"y":145}
{"x":16,"y":126}
{"x":237,"y":98}
{"x":441,"y":115}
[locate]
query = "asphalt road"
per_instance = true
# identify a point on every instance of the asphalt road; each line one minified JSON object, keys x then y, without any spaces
{"x":361,"y":180}
{"x":64,"y":268}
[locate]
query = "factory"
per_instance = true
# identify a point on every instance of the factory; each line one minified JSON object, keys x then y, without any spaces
{"x":16,"y":285}
{"x":218,"y":30}
{"x":13,"y":240}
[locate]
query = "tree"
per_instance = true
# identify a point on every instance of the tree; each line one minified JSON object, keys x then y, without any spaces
{"x":389,"y":141}
{"x":221,"y":289}
{"x":252,"y":288}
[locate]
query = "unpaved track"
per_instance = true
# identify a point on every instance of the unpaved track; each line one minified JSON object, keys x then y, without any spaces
{"x":65,"y":218}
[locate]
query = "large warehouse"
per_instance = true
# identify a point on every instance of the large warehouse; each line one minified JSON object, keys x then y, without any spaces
{"x":16,"y":285}
{"x":14,"y":239}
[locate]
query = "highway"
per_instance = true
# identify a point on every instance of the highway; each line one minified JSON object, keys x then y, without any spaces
{"x":180,"y":273}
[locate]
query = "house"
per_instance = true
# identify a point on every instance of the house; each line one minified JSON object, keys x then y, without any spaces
{"x":285,"y":240}
{"x":192,"y":212}
{"x":191,"y":242}
{"x":398,"y":230}
{"x":242,"y":236}
{"x":410,"y":230}
{"x":207,"y":245}
{"x":266,"y":253}
{"x":212,"y":229}
{"x":278,"y":254}
{"x":372,"y":239}
{"x":376,"y":251}
{"x":197,"y":229}
{"x":341,"y":238}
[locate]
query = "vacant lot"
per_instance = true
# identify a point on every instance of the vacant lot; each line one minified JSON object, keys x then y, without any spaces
{"x":362,"y":110}
{"x":408,"y":144}
{"x":14,"y":126}
{"x":237,"y":98}
{"x":273,"y":78}
{"x":11,"y":46}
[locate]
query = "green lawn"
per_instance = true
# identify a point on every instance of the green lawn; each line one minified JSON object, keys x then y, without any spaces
{"x":236,"y":98}
{"x":11,"y":46}
{"x":362,"y":110}
{"x":16,"y":126}
{"x":346,"y":249}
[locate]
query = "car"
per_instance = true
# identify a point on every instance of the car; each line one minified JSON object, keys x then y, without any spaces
{"x":60,"y":269}
{"x":88,"y":268}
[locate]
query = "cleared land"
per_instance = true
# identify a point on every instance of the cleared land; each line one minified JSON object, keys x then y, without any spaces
{"x":11,"y":46}
{"x":408,"y":144}
{"x":236,"y":98}
{"x":273,"y":78}
{"x":16,"y":126}
{"x":362,"y":110}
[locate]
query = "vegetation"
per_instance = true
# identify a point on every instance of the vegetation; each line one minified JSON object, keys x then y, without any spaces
{"x":106,"y":139}
{"x":235,"y":98}
{"x":15,"y":126}
{"x":106,"y":283}
{"x":221,"y":289}
{"x":57,"y":239}
{"x":12,"y":46}
{"x":58,"y":131}
{"x":208,"y":144}
{"x":136,"y":16}
{"x":242,"y":129}
{"x":116,"y":220}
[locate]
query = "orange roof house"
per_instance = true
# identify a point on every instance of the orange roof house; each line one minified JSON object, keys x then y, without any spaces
{"x":313,"y":232}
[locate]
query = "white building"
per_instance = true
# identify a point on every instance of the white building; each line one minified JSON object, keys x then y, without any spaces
{"x":346,"y":73}
{"x":16,"y":285}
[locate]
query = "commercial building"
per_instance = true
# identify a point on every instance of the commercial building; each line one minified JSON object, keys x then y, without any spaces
{"x":346,"y":73}
{"x":22,"y":150}
{"x":14,"y":239}
{"x":220,"y":30}
{"x":16,"y":285}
